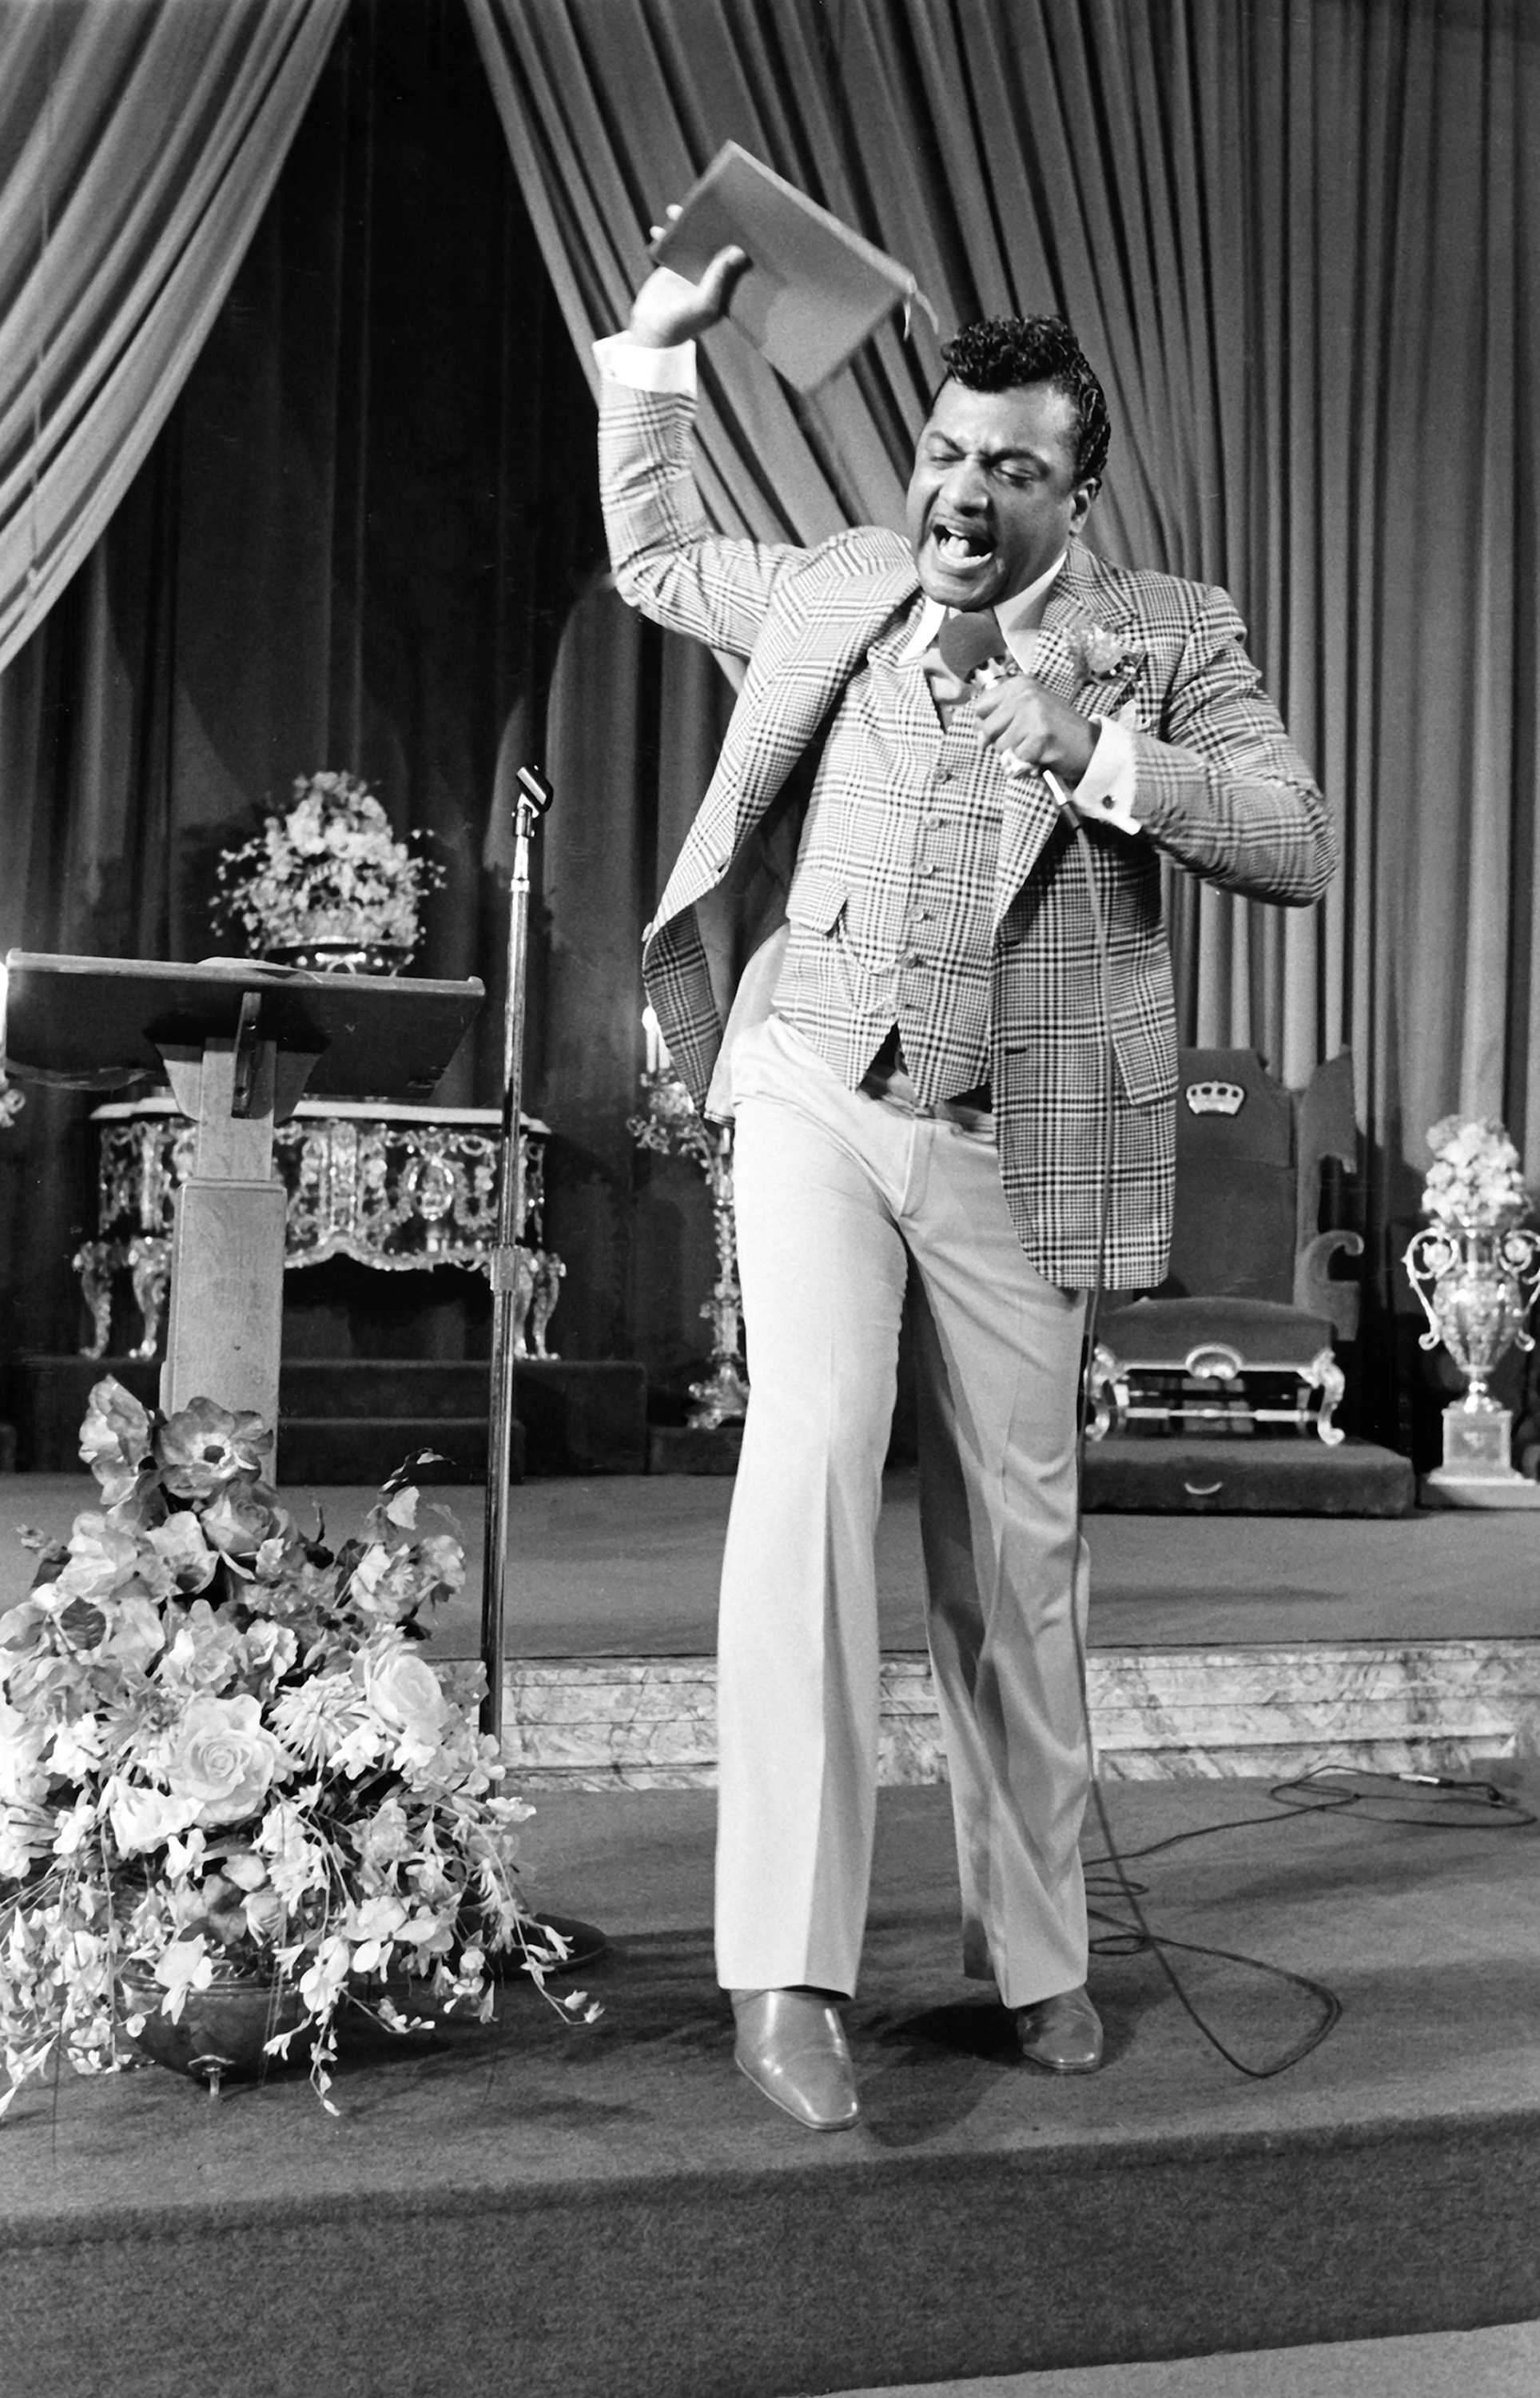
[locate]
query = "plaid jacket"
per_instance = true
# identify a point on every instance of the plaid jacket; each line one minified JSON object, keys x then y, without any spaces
{"x":1220,"y":789}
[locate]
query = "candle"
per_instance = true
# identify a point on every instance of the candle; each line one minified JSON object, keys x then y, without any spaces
{"x":657,"y":1055}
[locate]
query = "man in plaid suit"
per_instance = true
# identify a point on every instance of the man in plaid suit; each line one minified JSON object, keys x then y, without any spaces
{"x":943,"y":1076}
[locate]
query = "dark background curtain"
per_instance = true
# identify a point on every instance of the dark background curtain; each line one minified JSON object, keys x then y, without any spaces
{"x":1298,"y":237}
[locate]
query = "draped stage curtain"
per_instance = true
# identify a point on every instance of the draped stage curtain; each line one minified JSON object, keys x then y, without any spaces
{"x":1298,"y":238}
{"x":141,"y":142}
{"x":138,"y":146}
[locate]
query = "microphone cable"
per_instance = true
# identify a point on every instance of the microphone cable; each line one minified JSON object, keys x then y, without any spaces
{"x":1138,"y":1936}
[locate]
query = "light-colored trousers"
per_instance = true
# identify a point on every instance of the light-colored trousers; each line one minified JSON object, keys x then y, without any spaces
{"x":838,"y":1195}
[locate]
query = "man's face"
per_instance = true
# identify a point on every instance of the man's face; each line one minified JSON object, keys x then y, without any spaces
{"x":993,"y":498}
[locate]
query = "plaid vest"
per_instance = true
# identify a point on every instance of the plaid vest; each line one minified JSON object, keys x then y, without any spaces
{"x":890,"y":909}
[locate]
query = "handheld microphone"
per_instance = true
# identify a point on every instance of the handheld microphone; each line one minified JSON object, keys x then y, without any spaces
{"x":973,"y":643}
{"x":973,"y":648}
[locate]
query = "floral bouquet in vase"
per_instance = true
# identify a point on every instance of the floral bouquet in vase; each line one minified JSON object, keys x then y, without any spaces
{"x":327,"y":885}
{"x":1476,"y":1181}
{"x":1475,"y":1268}
{"x":234,"y":1796}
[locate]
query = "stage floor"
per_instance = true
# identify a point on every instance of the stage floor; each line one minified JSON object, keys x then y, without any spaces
{"x":549,"y":2209}
{"x":627,"y":1565}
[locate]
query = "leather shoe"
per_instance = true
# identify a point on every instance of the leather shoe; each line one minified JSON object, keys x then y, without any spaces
{"x":1062,"y":2034}
{"x":790,"y":2044}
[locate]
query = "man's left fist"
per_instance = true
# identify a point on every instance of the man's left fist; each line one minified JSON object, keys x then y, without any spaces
{"x":1018,"y":715}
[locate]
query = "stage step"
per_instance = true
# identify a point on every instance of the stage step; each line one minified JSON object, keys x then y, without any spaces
{"x":1437,"y":1706}
{"x":353,"y":1419}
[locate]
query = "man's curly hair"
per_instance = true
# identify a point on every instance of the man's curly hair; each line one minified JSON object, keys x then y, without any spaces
{"x":1002,"y":352}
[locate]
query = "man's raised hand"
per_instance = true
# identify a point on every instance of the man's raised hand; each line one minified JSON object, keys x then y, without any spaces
{"x":669,"y":308}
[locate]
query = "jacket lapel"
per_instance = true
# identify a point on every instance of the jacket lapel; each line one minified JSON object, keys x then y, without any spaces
{"x":1077,"y":608}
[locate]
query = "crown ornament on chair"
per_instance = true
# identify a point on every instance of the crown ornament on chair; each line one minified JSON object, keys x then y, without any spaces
{"x":1215,"y":1099}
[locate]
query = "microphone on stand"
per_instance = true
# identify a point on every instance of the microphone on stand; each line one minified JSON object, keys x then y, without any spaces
{"x":973,"y":648}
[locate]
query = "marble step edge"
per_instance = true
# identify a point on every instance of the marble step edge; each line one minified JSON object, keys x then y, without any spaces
{"x":646,"y":1707}
{"x":690,"y":1739}
{"x":1256,"y":1664}
{"x":574,"y":1722}
{"x":1282,"y":1761}
{"x":1419,"y":1675}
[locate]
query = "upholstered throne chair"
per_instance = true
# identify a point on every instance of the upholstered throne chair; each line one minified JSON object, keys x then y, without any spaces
{"x":1244,"y":1334}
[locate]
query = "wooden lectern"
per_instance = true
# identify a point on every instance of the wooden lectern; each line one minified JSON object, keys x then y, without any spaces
{"x":240,"y":1042}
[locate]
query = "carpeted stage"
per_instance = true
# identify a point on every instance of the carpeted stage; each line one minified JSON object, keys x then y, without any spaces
{"x":610,"y":2212}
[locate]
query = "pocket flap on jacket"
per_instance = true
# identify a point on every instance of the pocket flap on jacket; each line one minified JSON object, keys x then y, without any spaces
{"x":1146,"y":1061}
{"x":817,"y":897}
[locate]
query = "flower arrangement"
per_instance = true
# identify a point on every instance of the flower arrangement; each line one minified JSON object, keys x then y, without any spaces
{"x":331,"y":869}
{"x":222,"y":1753}
{"x":1475,"y":1182}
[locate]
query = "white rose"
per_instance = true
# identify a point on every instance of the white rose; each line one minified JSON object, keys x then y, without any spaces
{"x":222,"y":1758}
{"x":404,"y":1692}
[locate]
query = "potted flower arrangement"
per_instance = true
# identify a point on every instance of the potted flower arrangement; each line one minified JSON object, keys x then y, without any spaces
{"x":327,"y":885}
{"x":234,"y":1796}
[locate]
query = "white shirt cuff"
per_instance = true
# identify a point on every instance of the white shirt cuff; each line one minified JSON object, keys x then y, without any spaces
{"x":644,"y":369}
{"x":1106,"y":791}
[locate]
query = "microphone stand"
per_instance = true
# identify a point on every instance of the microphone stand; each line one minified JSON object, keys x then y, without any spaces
{"x":534,"y":798}
{"x":582,"y":1941}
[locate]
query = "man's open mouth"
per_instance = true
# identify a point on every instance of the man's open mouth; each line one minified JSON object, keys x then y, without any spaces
{"x":960,"y":544}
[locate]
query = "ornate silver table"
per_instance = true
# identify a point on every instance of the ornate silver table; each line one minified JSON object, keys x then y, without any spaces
{"x":395,"y":1187}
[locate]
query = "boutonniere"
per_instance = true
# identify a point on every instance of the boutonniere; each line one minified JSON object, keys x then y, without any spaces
{"x":1102,"y":653}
